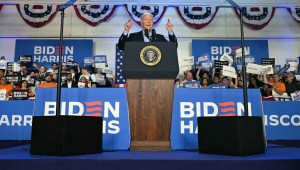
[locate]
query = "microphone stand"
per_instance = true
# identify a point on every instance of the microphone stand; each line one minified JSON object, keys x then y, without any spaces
{"x":245,"y":92}
{"x":58,"y":92}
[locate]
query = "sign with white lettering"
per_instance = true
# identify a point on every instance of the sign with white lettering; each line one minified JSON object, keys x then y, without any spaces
{"x":45,"y":52}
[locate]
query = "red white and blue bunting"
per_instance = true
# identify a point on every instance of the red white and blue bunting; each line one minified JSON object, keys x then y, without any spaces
{"x":37,"y":15}
{"x":94,"y":14}
{"x":136,"y":11}
{"x":257,"y":17}
{"x":197,"y":16}
{"x":295,"y":12}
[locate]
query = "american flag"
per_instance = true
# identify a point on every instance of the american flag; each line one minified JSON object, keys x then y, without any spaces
{"x":119,"y":81}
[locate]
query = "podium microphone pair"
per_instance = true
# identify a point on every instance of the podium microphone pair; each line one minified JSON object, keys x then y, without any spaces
{"x":152,"y":38}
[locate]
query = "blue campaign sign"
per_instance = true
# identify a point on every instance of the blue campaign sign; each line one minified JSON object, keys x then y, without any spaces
{"x":282,"y":120}
{"x":45,"y":52}
{"x":206,"y":51}
{"x":189,"y":104}
{"x":16,"y":119}
{"x":110,"y":103}
{"x":192,"y":84}
{"x":100,"y":59}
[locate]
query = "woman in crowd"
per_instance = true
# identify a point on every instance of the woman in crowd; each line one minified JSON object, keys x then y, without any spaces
{"x":254,"y":82}
{"x":24,"y":86}
{"x":204,"y":83}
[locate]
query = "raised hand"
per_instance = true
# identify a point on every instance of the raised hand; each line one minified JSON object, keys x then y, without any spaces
{"x":128,"y":25}
{"x":169,"y":26}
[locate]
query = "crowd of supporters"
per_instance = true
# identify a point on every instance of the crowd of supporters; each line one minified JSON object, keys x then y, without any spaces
{"x":272,"y":86}
{"x":43,"y":77}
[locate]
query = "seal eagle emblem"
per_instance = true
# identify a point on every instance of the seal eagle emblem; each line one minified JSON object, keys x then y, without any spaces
{"x":150,"y":55}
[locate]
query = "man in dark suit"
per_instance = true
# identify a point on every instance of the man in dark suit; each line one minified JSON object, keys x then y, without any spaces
{"x":69,"y":82}
{"x":148,"y":34}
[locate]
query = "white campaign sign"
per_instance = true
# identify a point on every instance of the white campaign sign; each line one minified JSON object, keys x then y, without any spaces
{"x":264,"y":68}
{"x":226,"y":57}
{"x":2,"y":94}
{"x":229,"y":71}
{"x":296,"y":96}
{"x":253,"y":68}
{"x":293,"y":66}
{"x":238,"y":52}
{"x":189,"y":60}
{"x":3,"y":64}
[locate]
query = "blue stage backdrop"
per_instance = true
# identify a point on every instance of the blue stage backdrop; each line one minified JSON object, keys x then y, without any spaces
{"x":110,"y":103}
{"x":206,"y":51}
{"x":16,"y":119}
{"x":45,"y":52}
{"x":192,"y":103}
{"x":282,"y":120}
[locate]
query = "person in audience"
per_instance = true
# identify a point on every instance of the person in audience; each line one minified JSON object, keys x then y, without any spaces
{"x":10,"y":73}
{"x":54,"y":77}
{"x":203,"y":74}
{"x":4,"y":85}
{"x":254,"y":82}
{"x":24,"y":86}
{"x":84,"y":72}
{"x":278,"y":87}
{"x":190,"y":78}
{"x":37,"y":79}
{"x":240,"y":84}
{"x":69,"y":82}
{"x":48,"y":82}
{"x":2,"y":72}
{"x":83,"y":82}
{"x":216,"y":83}
{"x":53,"y":69}
{"x":179,"y":82}
{"x":64,"y":68}
{"x":291,"y":84}
{"x":100,"y":78}
{"x":73,"y":73}
{"x":41,"y":71}
{"x":23,"y":71}
{"x":266,"y":93}
{"x":204,"y":83}
{"x":229,"y":82}
{"x":94,"y":85}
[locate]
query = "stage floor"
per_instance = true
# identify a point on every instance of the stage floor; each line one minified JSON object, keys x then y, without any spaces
{"x":276,"y":157}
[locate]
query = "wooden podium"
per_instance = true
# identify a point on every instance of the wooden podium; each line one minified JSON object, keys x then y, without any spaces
{"x":150,"y":92}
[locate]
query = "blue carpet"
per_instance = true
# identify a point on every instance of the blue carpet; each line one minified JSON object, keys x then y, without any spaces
{"x":274,"y":158}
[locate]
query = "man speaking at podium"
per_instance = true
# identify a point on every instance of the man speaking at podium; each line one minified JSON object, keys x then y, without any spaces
{"x":148,"y":34}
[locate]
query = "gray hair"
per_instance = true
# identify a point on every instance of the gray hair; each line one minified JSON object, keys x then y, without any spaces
{"x":142,"y":16}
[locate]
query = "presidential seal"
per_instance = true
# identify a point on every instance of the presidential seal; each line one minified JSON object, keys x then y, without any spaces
{"x":150,"y":55}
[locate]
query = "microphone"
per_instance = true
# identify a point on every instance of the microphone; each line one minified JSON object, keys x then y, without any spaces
{"x":153,"y":34}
